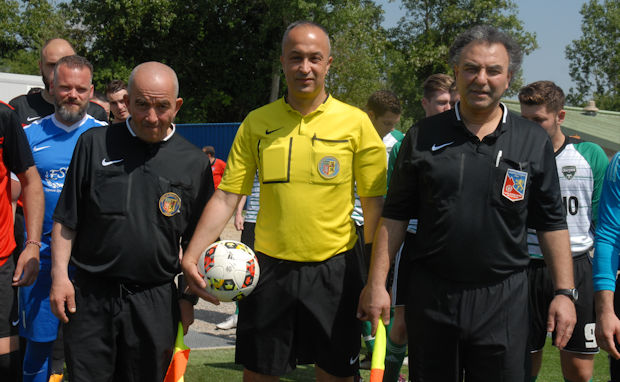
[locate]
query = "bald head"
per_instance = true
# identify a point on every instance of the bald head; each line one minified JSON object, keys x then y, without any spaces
{"x":153,"y":101}
{"x":52,"y":51}
{"x":154,"y":71}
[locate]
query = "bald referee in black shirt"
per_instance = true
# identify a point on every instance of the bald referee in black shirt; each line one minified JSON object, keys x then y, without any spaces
{"x":133,"y":194}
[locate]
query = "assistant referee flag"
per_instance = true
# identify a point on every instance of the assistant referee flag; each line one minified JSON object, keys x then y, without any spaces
{"x":179,"y":359}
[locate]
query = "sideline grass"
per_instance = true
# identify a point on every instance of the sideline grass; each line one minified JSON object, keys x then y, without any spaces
{"x":219,"y":365}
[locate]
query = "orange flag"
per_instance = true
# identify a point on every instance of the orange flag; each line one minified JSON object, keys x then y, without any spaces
{"x":179,"y":359}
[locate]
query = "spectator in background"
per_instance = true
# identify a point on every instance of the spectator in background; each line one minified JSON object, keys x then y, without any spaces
{"x":217,"y":165}
{"x":116,"y":91}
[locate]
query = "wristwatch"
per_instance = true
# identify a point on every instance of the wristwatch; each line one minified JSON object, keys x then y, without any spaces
{"x":573,"y":293}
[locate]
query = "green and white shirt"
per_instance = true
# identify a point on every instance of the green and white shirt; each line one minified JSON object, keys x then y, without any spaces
{"x":581,"y":169}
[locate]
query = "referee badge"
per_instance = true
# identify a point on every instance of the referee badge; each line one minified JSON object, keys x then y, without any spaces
{"x":329,"y":167}
{"x":169,"y":204}
{"x":514,"y":185}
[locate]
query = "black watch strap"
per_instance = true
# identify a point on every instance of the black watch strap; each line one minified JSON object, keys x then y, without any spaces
{"x":572,"y":293}
{"x":183,"y":291}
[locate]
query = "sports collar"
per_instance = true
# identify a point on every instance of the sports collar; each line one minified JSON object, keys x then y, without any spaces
{"x":501,"y":104}
{"x":66,"y":128}
{"x":174,"y":128}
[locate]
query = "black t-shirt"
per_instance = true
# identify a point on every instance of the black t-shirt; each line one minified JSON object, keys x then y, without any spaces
{"x":132,"y":203}
{"x":475,"y":199}
{"x":31,"y":107}
{"x":16,"y":154}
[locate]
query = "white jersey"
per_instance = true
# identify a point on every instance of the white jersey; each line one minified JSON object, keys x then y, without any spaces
{"x":581,"y":169}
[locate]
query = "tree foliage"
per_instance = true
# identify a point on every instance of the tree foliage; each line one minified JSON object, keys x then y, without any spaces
{"x":225,"y":52}
{"x":25,"y":26}
{"x":423,"y":37}
{"x":594,"y":59}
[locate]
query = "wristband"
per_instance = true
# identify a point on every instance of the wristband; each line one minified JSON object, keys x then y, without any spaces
{"x":37,"y":243}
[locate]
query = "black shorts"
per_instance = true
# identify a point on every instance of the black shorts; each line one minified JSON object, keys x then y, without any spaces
{"x":120,"y":332}
{"x":302,"y":313}
{"x":456,"y":328}
{"x":541,"y":294}
{"x":9,"y":314}
{"x":401,"y":270}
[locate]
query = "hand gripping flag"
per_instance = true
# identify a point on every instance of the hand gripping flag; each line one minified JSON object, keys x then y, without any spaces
{"x":377,"y":363}
{"x":176,"y":370}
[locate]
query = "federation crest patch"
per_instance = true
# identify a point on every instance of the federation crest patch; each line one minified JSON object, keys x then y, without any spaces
{"x":329,"y":167}
{"x":514,"y":185}
{"x":169,"y":204}
{"x":569,"y":171}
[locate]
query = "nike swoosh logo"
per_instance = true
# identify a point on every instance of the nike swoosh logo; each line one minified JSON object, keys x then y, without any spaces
{"x":435,"y":147}
{"x":15,"y":323}
{"x":30,"y":119}
{"x":271,"y":131}
{"x":35,"y":149}
{"x":354,"y":359}
{"x":107,"y":163}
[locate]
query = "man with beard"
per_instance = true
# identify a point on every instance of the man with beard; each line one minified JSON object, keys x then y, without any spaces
{"x":476,"y":177}
{"x":31,"y":107}
{"x":52,"y":140}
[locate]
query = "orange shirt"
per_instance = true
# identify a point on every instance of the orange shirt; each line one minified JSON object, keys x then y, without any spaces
{"x":217,"y":168}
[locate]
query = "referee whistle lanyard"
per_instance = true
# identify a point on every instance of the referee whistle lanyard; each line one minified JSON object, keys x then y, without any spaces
{"x":377,"y":362}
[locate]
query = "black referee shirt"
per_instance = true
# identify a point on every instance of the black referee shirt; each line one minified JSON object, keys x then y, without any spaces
{"x":132,"y":203}
{"x":474,"y":199}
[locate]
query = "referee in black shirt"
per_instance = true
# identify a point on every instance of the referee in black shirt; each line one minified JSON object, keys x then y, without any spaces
{"x":475,"y":177}
{"x":133,"y":194}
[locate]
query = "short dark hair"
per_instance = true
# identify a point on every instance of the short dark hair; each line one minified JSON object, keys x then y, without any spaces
{"x":542,"y":93}
{"x":75,"y":61}
{"x":437,"y":83}
{"x":298,"y":23}
{"x":487,"y":34}
{"x":209,"y":150}
{"x":115,"y":86}
{"x":382,"y":101}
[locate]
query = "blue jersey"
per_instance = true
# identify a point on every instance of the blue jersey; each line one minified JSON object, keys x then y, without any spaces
{"x":52,"y":145}
{"x":607,"y":242}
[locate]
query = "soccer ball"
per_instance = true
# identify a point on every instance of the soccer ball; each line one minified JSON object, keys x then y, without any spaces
{"x":230,"y":269}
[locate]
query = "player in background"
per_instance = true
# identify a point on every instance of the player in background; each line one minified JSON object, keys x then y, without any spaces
{"x":309,"y":149}
{"x":384,"y":110}
{"x":115,"y":91}
{"x":581,"y":169}
{"x":52,"y":140}
{"x":33,"y":106}
{"x":605,"y":267}
{"x":438,"y":96}
{"x":15,"y":157}
{"x":217,"y":165}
